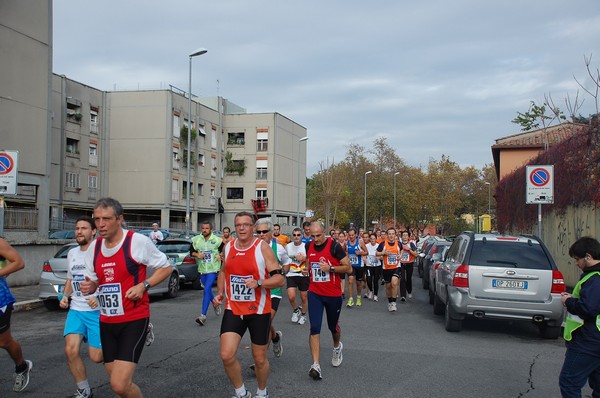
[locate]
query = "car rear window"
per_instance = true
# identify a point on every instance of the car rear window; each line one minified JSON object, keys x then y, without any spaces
{"x":63,"y":251}
{"x":173,"y":248}
{"x":509,"y":254}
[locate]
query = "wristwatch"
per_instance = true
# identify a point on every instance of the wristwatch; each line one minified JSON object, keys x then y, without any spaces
{"x":258,"y":283}
{"x":332,"y":268}
{"x":147,"y":285}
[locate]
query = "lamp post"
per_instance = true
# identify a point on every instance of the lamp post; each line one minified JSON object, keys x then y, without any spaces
{"x":395,"y":174}
{"x":489,"y":198}
{"x":199,"y":51}
{"x":365,"y":210}
{"x":303,"y":139}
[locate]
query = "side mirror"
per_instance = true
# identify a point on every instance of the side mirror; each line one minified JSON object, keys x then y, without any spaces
{"x":421,"y":255}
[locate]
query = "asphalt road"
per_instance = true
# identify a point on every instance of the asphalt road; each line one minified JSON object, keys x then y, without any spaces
{"x":402,"y":354}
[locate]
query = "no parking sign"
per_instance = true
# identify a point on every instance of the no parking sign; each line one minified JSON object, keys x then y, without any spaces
{"x":8,"y":172}
{"x":540,"y":185}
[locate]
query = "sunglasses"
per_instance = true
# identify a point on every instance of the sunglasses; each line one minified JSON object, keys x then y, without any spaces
{"x":263,"y":231}
{"x":297,"y":235}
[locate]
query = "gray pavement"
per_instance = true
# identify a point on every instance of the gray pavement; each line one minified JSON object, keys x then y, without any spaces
{"x":27,"y":297}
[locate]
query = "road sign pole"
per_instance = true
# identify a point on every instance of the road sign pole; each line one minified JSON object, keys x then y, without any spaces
{"x":1,"y":216}
{"x":540,"y":221}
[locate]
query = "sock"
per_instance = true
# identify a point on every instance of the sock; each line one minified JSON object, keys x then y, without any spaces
{"x":390,"y":300}
{"x":240,"y":392}
{"x":83,"y":385}
{"x":261,"y":393}
{"x":393,"y":299}
{"x":21,"y":368}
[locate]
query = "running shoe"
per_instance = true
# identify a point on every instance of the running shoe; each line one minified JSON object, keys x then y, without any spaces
{"x":218,"y":310}
{"x":350,"y":302}
{"x":277,"y":347}
{"x":150,"y":334}
{"x":22,"y":379}
{"x":390,"y":307}
{"x":403,"y":299}
{"x":262,"y":396}
{"x":201,"y":320}
{"x":358,"y":301}
{"x":296,"y":315}
{"x":366,"y":295}
{"x":301,"y":320}
{"x":409,"y":295}
{"x":246,"y":395}
{"x":336,"y":359}
{"x":83,"y":393}
{"x":394,"y":306}
{"x":315,"y":371}
{"x":370,"y":295}
{"x":375,"y":298}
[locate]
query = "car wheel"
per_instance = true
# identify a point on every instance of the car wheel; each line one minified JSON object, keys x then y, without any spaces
{"x":197,"y":284}
{"x":425,"y":283}
{"x":173,"y":286}
{"x":450,"y":322}
{"x":52,"y":304}
{"x":438,"y":306}
{"x":420,"y":268}
{"x":431,"y":294}
{"x":549,"y":332}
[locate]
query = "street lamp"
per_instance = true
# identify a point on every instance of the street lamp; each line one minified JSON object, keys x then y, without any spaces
{"x":303,"y":139}
{"x":489,"y":198}
{"x":199,"y":51}
{"x":395,"y":174}
{"x":365,"y":212}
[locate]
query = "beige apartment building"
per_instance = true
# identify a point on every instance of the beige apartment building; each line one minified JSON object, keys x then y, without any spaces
{"x":77,"y":144}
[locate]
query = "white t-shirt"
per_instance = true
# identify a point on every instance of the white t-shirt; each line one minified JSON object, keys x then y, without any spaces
{"x":372,"y":260}
{"x":156,"y":236}
{"x":292,"y":250}
{"x":77,"y":272}
{"x":143,"y":251}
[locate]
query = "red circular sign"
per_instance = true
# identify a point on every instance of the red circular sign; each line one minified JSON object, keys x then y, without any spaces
{"x":539,"y":177}
{"x":6,"y":163}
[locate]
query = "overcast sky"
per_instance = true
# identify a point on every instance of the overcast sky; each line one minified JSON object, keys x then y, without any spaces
{"x":434,"y":77}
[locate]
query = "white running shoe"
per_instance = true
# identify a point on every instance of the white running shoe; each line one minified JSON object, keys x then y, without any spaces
{"x":409,"y":295}
{"x":336,"y":359}
{"x":22,"y":379}
{"x":201,"y":320}
{"x":301,"y":320}
{"x":277,"y":347}
{"x":375,"y":298}
{"x":150,"y":334}
{"x":296,"y":315}
{"x":315,"y":371}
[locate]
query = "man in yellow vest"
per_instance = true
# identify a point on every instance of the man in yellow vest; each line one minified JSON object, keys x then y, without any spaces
{"x":582,"y":327}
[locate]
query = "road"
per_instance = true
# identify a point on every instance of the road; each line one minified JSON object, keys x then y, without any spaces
{"x":402,"y":354}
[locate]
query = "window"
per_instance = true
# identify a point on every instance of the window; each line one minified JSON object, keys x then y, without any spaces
{"x":92,"y":181}
{"x":176,"y":158}
{"x":261,"y":193}
{"x":213,"y":167}
{"x":236,"y":139}
{"x":184,"y":189}
{"x":72,"y":146}
{"x":72,"y":180}
{"x":94,"y":122}
{"x":93,"y":155}
{"x":174,"y":190}
{"x":262,"y":142}
{"x":213,"y":139}
{"x":176,"y":127}
{"x":200,"y":159}
{"x":261,"y":169}
{"x":200,"y":189}
{"x":235,"y":193}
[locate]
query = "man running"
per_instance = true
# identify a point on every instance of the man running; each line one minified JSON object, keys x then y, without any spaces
{"x":249,"y":270}
{"x":226,"y":238}
{"x":83,"y":319}
{"x":11,"y":262}
{"x":326,"y":260}
{"x":282,"y":239}
{"x":306,"y":229}
{"x":117,"y":261}
{"x":207,"y":248}
{"x":407,"y":263}
{"x":356,"y":250}
{"x":264,"y":232}
{"x":390,"y":251}
{"x":297,"y":277}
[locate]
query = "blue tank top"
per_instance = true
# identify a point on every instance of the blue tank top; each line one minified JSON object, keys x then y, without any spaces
{"x":355,"y":261}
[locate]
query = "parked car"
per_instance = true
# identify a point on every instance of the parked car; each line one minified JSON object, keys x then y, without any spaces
{"x":178,"y":251}
{"x":426,"y":259}
{"x":54,"y":276}
{"x":502,"y":277}
{"x":62,"y":234}
{"x":425,"y":247}
{"x":436,"y":260}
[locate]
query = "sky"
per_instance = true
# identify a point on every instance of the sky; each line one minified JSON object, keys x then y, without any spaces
{"x":434,"y":77}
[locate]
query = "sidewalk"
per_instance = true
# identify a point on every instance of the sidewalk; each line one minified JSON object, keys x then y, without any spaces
{"x":27,"y":297}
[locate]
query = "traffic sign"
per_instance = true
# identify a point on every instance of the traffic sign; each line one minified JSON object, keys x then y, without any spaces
{"x":9,"y":161}
{"x":540,"y":185}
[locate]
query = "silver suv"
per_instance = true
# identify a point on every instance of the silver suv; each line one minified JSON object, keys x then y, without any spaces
{"x":502,"y":277}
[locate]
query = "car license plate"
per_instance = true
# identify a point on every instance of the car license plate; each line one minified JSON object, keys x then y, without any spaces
{"x":509,"y":284}
{"x":174,"y":259}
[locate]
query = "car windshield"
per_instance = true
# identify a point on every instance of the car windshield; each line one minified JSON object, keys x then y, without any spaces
{"x":173,"y":247}
{"x":509,"y":254}
{"x":63,"y":251}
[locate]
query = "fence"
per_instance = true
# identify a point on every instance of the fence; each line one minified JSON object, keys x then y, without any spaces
{"x":20,"y":219}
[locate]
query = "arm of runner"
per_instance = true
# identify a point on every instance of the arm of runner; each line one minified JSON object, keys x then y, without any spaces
{"x":274,"y":280}
{"x":67,"y":290}
{"x":15,"y":262}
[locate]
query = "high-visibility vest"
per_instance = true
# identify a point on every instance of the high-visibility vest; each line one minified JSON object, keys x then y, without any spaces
{"x":574,"y":322}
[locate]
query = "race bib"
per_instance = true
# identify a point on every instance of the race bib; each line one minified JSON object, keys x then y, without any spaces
{"x":405,"y":256}
{"x":110,"y":299}
{"x":75,"y":282}
{"x":208,"y":257}
{"x":372,"y":261}
{"x":318,"y":275}
{"x":238,"y":291}
{"x":392,"y":259}
{"x":353,"y":259}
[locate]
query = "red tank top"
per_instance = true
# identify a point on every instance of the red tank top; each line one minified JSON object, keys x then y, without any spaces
{"x":117,"y":274}
{"x":239,"y":266}
{"x":323,"y":283}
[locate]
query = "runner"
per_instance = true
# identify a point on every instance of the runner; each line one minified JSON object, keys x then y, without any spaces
{"x":342,"y":240}
{"x":407,"y":263}
{"x":226,"y":238}
{"x":83,"y":319}
{"x":306,"y":229}
{"x":248,"y":272}
{"x":390,"y":252}
{"x":373,"y":268}
{"x":11,"y":262}
{"x":297,"y":276}
{"x":356,"y":249}
{"x":118,"y":262}
{"x":282,"y":239}
{"x":264,"y":231}
{"x":327,"y":259}
{"x":207,"y":248}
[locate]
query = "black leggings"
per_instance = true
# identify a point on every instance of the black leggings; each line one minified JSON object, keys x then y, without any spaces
{"x":406,"y":271}
{"x":373,"y":275}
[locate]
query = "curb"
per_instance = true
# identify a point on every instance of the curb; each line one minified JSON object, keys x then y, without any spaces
{"x":27,"y":305}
